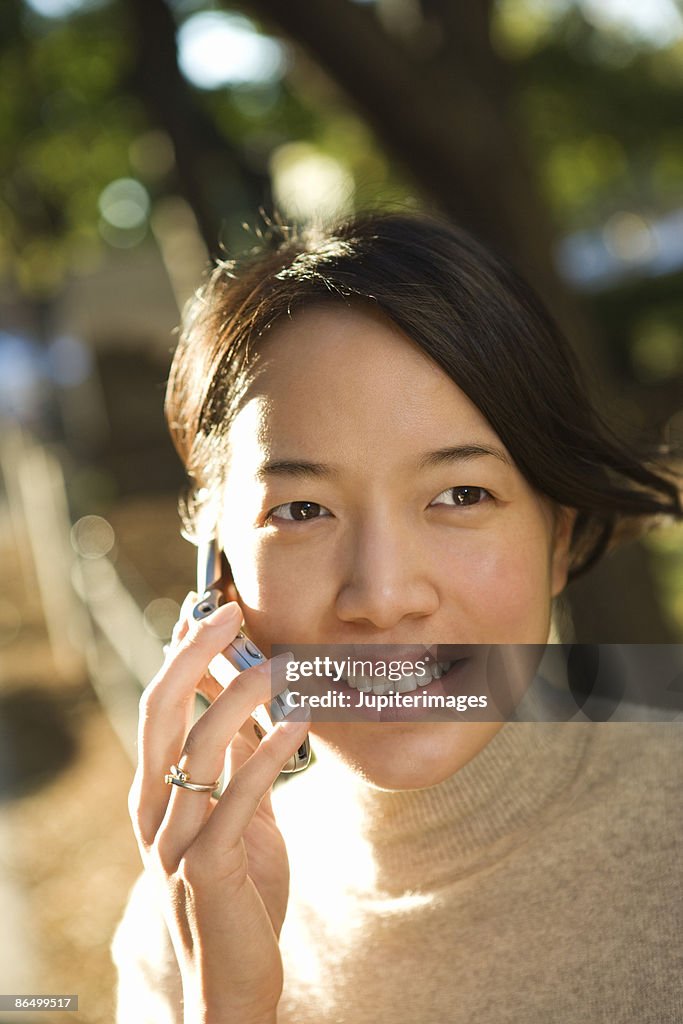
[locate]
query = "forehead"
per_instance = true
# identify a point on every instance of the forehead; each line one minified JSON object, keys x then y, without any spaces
{"x":343,"y":343}
{"x":346,"y":378}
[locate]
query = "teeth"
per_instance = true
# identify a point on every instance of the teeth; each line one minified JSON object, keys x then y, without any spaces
{"x":443,"y":667}
{"x":361,"y":683}
{"x":406,"y":684}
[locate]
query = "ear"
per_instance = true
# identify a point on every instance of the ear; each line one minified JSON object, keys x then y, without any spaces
{"x":564,"y":518}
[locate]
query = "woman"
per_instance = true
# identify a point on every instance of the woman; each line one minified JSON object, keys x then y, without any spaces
{"x":390,"y":438}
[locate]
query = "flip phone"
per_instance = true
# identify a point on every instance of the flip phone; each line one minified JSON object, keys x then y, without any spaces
{"x":241,"y":654}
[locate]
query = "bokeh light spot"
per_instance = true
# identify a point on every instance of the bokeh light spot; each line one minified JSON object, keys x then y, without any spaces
{"x":309,"y":184}
{"x":160,"y":616}
{"x":124,"y":204}
{"x":629,"y":237}
{"x":217,"y":49}
{"x":92,"y":537}
{"x":62,"y":8}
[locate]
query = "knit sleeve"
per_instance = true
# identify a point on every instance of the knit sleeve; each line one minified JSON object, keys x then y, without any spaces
{"x":149,"y":988}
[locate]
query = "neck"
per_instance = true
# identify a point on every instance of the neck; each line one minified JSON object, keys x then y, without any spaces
{"x":419,"y":838}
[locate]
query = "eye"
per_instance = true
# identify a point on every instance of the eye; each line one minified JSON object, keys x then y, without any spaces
{"x":298,"y":511}
{"x":458,"y":497}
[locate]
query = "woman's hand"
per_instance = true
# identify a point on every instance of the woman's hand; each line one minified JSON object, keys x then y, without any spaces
{"x":220,"y":865}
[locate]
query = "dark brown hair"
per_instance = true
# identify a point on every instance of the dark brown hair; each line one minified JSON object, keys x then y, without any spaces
{"x":470,"y":312}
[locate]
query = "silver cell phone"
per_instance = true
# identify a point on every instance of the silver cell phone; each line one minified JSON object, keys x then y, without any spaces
{"x":241,"y":654}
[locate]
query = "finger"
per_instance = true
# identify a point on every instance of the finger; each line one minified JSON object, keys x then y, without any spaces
{"x":164,"y":709}
{"x":203,"y":753}
{"x":243,"y":745}
{"x":209,"y":688}
{"x":181,"y":627}
{"x":173,"y":687}
{"x":180,"y":631}
{"x":245,"y":742}
{"x":247,"y":788}
{"x":184,"y":617}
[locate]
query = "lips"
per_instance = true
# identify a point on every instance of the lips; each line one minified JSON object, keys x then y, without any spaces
{"x":384,"y":654}
{"x":380,"y":683}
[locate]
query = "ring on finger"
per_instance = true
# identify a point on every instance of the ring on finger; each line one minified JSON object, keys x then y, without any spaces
{"x":177,"y":777}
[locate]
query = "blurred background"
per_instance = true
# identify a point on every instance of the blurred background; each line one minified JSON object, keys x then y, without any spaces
{"x":138,"y":138}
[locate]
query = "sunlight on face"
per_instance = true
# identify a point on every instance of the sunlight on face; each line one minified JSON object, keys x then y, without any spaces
{"x":369,"y":501}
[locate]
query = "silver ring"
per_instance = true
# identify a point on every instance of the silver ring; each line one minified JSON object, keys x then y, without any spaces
{"x":177,"y":777}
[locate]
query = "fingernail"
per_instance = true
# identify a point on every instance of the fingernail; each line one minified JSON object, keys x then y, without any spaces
{"x":279,"y":663}
{"x":190,"y":600}
{"x":228,"y":614}
{"x":231,"y":608}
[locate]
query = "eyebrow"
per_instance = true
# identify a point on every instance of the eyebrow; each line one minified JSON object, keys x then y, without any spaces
{"x":290,"y":467}
{"x":462,"y":453}
{"x":440,"y":457}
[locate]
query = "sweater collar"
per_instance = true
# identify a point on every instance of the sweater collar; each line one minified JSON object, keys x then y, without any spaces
{"x":418,"y":839}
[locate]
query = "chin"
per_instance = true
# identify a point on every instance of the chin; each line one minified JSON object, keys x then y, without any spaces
{"x":398,"y":756}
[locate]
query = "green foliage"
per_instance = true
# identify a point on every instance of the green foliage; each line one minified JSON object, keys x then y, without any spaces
{"x":66,"y":122}
{"x":601,"y":114}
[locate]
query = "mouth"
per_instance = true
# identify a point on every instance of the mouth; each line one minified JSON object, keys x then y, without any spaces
{"x":406,"y":683}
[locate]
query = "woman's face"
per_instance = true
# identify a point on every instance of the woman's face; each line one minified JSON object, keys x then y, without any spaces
{"x":415,"y":526}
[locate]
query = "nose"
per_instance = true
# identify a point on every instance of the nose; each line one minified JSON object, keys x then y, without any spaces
{"x":386,"y":577}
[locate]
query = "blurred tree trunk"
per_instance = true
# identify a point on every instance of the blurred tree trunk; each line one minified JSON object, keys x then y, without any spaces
{"x":208,"y":167}
{"x":428,"y":81}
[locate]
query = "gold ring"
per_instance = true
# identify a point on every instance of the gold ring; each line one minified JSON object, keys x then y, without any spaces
{"x":177,"y":777}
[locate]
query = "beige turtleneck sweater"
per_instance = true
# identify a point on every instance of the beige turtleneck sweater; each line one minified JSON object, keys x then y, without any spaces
{"x":541,"y":883}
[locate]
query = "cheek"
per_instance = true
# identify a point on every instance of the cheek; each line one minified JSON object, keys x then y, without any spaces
{"x":283,"y":599}
{"x":503,"y":587}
